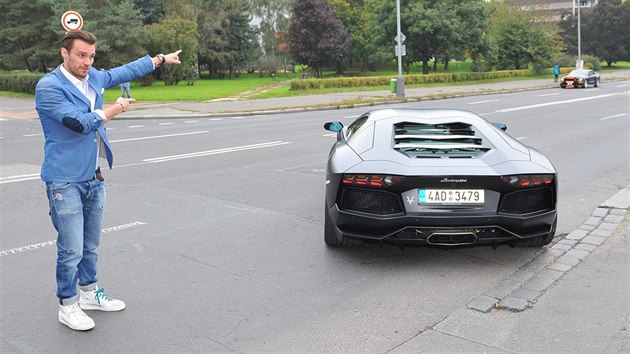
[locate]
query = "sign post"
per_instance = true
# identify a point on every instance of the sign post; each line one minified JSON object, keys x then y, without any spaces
{"x":400,"y":38}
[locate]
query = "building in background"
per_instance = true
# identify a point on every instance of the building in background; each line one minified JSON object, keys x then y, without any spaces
{"x":553,"y":10}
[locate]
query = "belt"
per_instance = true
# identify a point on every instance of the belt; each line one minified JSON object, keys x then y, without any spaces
{"x":98,"y":175}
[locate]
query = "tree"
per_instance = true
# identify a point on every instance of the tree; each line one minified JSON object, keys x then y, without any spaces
{"x":605,"y":31}
{"x":273,"y":21}
{"x":354,"y":17}
{"x":316,"y":36}
{"x":241,"y":43}
{"x":119,"y":34}
{"x":169,"y":35}
{"x":30,"y":32}
{"x":152,"y":11}
{"x":520,"y":38}
{"x":434,"y":28}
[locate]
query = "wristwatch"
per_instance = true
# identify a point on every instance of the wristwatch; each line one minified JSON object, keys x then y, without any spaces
{"x":162,"y":58}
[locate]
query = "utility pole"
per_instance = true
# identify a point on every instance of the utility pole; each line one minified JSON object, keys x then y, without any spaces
{"x":400,"y":84}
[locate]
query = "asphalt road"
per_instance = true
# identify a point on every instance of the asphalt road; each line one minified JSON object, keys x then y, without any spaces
{"x":214,"y":232}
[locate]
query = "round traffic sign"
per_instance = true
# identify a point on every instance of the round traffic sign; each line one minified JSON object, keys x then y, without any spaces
{"x":71,"y":21}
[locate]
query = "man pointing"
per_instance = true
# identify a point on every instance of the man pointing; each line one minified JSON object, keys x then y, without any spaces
{"x":69,"y":101}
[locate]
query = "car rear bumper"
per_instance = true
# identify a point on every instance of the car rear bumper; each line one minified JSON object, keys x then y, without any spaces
{"x":441,"y":230}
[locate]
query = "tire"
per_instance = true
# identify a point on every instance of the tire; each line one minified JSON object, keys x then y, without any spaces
{"x":330,"y":237}
{"x":539,"y":241}
{"x":596,"y":82}
{"x":585,"y":85}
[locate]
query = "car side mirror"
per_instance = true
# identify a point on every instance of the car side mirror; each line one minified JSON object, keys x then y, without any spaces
{"x":333,"y":126}
{"x":500,"y":126}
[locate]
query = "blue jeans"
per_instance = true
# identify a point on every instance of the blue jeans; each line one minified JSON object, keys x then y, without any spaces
{"x":76,"y":210}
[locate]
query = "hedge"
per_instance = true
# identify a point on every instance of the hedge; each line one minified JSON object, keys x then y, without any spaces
{"x":308,"y":84}
{"x":19,"y":82}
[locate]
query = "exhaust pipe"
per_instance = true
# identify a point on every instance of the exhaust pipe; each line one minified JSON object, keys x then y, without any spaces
{"x":452,"y":238}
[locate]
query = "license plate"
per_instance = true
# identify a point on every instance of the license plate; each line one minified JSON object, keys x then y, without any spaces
{"x":451,"y":196}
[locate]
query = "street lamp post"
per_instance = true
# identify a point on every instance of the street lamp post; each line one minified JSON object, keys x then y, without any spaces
{"x":400,"y":84}
{"x":579,"y":32}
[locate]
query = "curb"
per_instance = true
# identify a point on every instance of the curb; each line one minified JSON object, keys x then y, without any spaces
{"x":519,"y":290}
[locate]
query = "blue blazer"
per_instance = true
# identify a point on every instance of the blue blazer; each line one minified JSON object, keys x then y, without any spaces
{"x":69,"y":125}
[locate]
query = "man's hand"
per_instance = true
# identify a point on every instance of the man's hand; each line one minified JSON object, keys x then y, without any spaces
{"x":124,"y":102}
{"x":173,"y":58}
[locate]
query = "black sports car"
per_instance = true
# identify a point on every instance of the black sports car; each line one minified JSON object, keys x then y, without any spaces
{"x":581,"y":78}
{"x":436,"y":178}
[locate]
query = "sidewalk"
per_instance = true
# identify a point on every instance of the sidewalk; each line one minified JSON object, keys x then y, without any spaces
{"x":24,"y":108}
{"x":571,"y":298}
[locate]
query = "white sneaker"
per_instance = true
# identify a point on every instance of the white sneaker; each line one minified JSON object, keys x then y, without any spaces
{"x":73,"y":317}
{"x":97,"y":300}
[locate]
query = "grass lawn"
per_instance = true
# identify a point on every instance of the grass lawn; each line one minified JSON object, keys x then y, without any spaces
{"x":202,"y":90}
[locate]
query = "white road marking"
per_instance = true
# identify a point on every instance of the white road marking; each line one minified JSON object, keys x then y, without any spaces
{"x":37,"y":134}
{"x":158,"y":136}
{"x":350,"y":117}
{"x":549,"y":94}
{"x":480,"y":102}
{"x":332,"y":134}
{"x":622,"y":85}
{"x":215,"y":152}
{"x":554,"y":103}
{"x":22,"y":178}
{"x":215,"y":118}
{"x":521,"y":138}
{"x":35,"y":246}
{"x":614,"y":116}
{"x":167,"y":123}
{"x":191,"y":121}
{"x":135,"y":126}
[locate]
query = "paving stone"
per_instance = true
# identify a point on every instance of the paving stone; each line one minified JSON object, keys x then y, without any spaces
{"x":541,"y":282}
{"x":607,"y":226}
{"x":593,"y":221}
{"x":537,"y":263}
{"x":513,"y":304}
{"x":615,"y":219}
{"x":593,"y":240}
{"x":559,"y":267}
{"x":577,"y":235}
{"x":550,"y":273}
{"x":570,"y":261}
{"x":561,"y":247}
{"x":579,"y":254}
{"x":482,"y":303}
{"x":586,"y":227}
{"x":526,"y":293}
{"x":567,"y":242}
{"x":586,"y":247}
{"x":600,"y":212}
{"x":554,"y":252}
{"x":520,"y":275}
{"x":499,"y":291}
{"x":601,"y":233}
{"x":618,"y":212}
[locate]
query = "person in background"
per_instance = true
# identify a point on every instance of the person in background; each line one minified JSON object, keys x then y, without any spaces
{"x":125,"y":90}
{"x":556,"y":72}
{"x":69,"y":102}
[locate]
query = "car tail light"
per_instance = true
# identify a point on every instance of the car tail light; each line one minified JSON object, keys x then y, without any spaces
{"x":528,"y":180}
{"x":371,"y":180}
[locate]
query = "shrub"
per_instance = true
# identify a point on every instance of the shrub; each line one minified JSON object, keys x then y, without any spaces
{"x":309,"y":84}
{"x":22,"y":82}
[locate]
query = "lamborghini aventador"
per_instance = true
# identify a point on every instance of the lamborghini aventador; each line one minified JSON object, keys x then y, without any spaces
{"x":432,"y":177}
